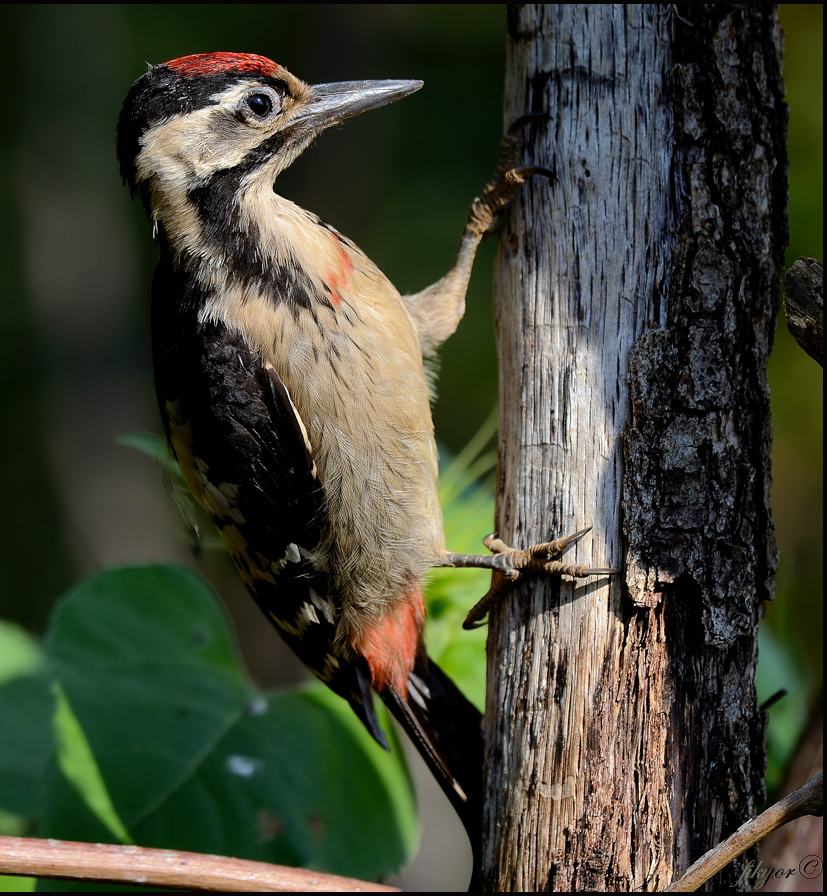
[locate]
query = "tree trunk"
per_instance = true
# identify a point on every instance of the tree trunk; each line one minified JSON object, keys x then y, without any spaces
{"x":636,"y":301}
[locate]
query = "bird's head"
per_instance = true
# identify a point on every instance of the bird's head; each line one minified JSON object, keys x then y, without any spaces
{"x":194,"y":119}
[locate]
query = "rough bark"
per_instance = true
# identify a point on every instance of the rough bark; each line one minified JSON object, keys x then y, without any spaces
{"x":635,"y":303}
{"x":804,"y":305}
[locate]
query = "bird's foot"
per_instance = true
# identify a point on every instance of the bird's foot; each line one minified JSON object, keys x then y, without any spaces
{"x":507,"y":180}
{"x":509,"y":564}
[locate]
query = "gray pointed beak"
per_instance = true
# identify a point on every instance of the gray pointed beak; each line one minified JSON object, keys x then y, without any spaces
{"x":333,"y":103}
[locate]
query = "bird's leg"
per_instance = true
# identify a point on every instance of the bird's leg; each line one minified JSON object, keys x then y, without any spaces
{"x":508,"y":178}
{"x":508,"y":564}
{"x":437,"y":310}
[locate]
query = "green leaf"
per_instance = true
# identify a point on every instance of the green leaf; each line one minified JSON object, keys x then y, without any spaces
{"x":781,"y":668}
{"x":25,"y":746}
{"x":80,"y":769}
{"x":468,"y":515}
{"x":66,"y":813}
{"x":197,"y":523}
{"x":9,"y":884}
{"x":193,"y":757}
{"x":20,"y":654}
{"x":154,"y":446}
{"x":146,"y":649}
{"x":297,"y":781}
{"x":25,"y":714}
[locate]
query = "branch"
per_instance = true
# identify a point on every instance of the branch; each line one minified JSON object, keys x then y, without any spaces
{"x":807,"y":800}
{"x":785,"y":847}
{"x":66,"y":860}
{"x":804,"y":305}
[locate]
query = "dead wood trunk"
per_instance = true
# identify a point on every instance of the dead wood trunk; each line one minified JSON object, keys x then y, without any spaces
{"x":636,"y":304}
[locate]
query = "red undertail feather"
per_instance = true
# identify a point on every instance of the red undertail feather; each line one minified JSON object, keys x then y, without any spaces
{"x":213,"y":63}
{"x":391,"y":645}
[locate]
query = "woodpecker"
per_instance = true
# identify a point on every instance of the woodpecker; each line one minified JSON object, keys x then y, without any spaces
{"x":290,"y":380}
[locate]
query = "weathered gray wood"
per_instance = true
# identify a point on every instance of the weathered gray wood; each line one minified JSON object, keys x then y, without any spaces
{"x":804,"y":306}
{"x":635,"y":304}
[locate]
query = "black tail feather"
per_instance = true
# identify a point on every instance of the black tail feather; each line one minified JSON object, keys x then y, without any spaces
{"x":446,"y":729}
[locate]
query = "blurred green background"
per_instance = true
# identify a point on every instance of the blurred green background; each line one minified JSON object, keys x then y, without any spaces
{"x":77,"y":261}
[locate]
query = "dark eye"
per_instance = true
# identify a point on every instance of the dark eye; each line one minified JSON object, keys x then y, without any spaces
{"x":260,"y":104}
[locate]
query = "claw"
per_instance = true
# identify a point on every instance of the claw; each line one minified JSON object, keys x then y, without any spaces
{"x":480,"y":609}
{"x":558,"y":545}
{"x":509,"y":564}
{"x":524,"y":120}
{"x":508,"y":178}
{"x":555,"y":568}
{"x":528,"y":170}
{"x":494,"y":544}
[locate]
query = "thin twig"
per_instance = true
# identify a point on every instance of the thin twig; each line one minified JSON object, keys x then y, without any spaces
{"x":807,"y":800}
{"x":66,"y":860}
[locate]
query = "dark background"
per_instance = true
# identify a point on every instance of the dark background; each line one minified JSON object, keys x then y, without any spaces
{"x":77,"y":261}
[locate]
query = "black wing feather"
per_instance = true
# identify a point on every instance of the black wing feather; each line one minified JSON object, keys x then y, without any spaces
{"x":243,"y":436}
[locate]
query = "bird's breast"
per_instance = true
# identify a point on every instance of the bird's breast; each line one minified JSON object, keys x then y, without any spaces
{"x":339,"y":337}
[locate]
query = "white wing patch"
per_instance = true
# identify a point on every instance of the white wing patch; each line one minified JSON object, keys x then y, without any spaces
{"x":323,"y":605}
{"x":329,"y":668}
{"x":304,"y":619}
{"x":299,"y":420}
